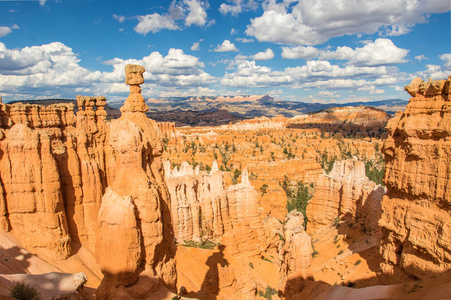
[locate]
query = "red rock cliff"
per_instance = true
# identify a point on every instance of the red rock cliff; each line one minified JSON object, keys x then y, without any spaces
{"x":71,"y":181}
{"x":416,"y":210}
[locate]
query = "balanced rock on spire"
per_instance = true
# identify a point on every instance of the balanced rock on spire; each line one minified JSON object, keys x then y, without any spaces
{"x":135,"y":101}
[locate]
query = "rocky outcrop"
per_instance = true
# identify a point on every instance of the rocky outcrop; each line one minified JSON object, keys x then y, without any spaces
{"x":416,"y":210}
{"x":361,"y":115}
{"x":297,"y":251}
{"x":345,"y":192}
{"x":65,"y":183}
{"x":204,"y":209}
{"x":168,"y":130}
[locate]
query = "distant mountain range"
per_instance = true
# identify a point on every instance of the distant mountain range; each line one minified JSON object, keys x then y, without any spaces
{"x":204,"y":111}
{"x":257,"y":106}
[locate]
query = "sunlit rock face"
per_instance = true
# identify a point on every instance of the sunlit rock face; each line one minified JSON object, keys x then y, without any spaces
{"x":70,"y":180}
{"x":345,"y":193}
{"x":203,"y":208}
{"x":416,"y":210}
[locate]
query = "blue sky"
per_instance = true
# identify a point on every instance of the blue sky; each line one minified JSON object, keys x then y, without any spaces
{"x":307,"y":50}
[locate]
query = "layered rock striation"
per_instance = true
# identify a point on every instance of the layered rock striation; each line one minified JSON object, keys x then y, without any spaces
{"x":296,"y":253}
{"x":203,"y":208}
{"x":416,"y":209}
{"x":66,"y":183}
{"x":345,"y":192}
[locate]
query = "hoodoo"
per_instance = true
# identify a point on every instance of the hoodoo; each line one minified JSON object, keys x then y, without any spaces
{"x":66,"y":185}
{"x":416,"y":209}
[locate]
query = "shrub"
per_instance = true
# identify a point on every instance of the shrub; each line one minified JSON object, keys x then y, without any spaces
{"x":357,"y":262}
{"x":205,"y":244}
{"x":264,"y":189}
{"x":268,"y":293}
{"x":23,"y":291}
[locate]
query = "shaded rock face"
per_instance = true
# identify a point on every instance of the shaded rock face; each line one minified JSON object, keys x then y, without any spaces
{"x":69,"y":180}
{"x":345,"y":192}
{"x":416,"y":210}
{"x":204,"y":209}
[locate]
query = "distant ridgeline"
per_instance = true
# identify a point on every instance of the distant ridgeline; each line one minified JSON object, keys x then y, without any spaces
{"x":204,"y":111}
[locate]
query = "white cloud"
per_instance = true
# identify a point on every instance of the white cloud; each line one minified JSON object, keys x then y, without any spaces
{"x":381,"y":52}
{"x":446,"y":58}
{"x":313,"y":22}
{"x":155,"y":22}
{"x":234,"y":10}
{"x":397,"y":30}
{"x":233,"y":31}
{"x":237,"y":7}
{"x":314,"y":74}
{"x":266,"y":55}
{"x":192,"y":11}
{"x":42,"y":2}
{"x":245,"y":40}
{"x":4,"y":31}
{"x":120,"y":19}
{"x":328,"y":94}
{"x":299,"y":52}
{"x":226,"y":46}
{"x":196,"y":12}
{"x":371,"y":89}
{"x":34,"y":70}
{"x":437,"y":71}
{"x":195,"y":47}
{"x":420,"y":57}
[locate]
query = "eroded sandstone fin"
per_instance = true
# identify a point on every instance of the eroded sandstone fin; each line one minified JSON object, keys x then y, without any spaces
{"x":416,"y":209}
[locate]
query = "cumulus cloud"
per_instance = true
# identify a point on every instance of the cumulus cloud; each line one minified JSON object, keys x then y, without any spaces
{"x":245,"y":40}
{"x":299,"y":52}
{"x":237,"y":7}
{"x":226,"y":46}
{"x":371,"y":89}
{"x":420,"y":57}
{"x":313,"y":74}
{"x":381,"y":52}
{"x":329,"y":94}
{"x":5,"y":30}
{"x":37,"y":69}
{"x":437,"y":71}
{"x":377,"y":53}
{"x":313,"y":22}
{"x":446,"y":59}
{"x":120,"y":19}
{"x":196,"y":12}
{"x":155,"y":22}
{"x":192,"y":11}
{"x":195,"y":47}
{"x":266,"y":55}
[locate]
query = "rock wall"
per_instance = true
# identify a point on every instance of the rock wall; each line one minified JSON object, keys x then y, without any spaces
{"x":65,"y":183}
{"x":296,"y":253}
{"x":204,"y":209}
{"x":416,"y":210}
{"x":345,"y":192}
{"x":168,"y":130}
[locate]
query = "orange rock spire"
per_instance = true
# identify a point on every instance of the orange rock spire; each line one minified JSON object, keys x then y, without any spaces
{"x":135,"y":101}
